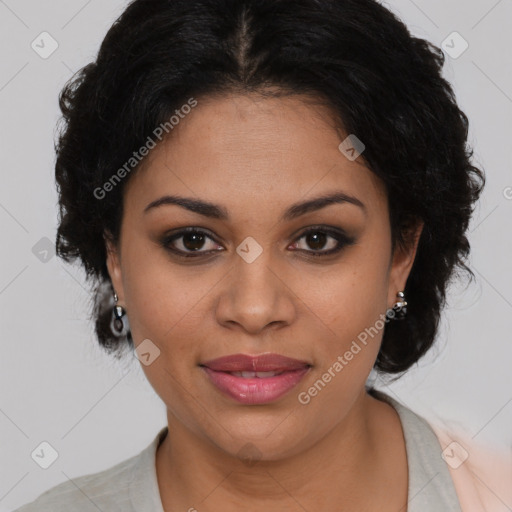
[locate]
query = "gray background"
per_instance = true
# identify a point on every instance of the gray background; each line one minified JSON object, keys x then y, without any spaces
{"x":56,"y":386}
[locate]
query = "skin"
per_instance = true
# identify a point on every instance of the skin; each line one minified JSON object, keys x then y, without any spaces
{"x":256,"y":157}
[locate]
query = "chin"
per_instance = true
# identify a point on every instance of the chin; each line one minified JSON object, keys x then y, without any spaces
{"x":259,"y":436}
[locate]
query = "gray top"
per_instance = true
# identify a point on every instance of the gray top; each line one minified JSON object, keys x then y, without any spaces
{"x":132,"y":485}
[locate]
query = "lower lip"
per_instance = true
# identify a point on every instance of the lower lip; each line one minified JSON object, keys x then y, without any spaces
{"x":255,"y":390}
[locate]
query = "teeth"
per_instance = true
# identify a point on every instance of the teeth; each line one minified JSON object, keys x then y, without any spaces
{"x":251,"y":375}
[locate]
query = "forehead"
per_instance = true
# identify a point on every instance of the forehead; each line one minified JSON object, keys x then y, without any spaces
{"x":248,"y":148}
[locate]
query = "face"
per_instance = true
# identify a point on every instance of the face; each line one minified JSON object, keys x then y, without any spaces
{"x":257,"y":274}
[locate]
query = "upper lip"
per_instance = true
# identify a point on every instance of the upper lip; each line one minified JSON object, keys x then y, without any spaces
{"x":261,"y":363}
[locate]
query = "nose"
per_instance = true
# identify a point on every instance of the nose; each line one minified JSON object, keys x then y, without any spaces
{"x":255,"y":297}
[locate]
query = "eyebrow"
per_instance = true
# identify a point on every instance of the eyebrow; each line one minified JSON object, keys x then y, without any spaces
{"x":214,"y":211}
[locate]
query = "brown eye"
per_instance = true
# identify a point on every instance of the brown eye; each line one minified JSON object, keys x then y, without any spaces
{"x":189,"y":241}
{"x":323,"y":241}
{"x":316,"y":240}
{"x":193,"y":241}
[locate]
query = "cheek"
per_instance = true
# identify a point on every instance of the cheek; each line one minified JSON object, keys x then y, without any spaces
{"x":165,"y":304}
{"x":351,"y":305}
{"x":350,"y":301}
{"x":352,"y":294}
{"x":162,"y":299}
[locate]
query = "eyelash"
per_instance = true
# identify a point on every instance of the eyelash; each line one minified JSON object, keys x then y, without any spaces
{"x":342,"y":239}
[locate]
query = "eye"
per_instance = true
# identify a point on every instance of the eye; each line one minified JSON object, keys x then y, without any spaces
{"x":189,"y":241}
{"x":323,"y":241}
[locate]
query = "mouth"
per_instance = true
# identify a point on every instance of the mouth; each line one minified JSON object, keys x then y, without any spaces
{"x":251,"y":375}
{"x":255,"y":379}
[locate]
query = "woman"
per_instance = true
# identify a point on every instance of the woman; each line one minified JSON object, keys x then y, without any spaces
{"x":271,"y":197}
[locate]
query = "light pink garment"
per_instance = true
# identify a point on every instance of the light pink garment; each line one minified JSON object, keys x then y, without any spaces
{"x":483,"y":481}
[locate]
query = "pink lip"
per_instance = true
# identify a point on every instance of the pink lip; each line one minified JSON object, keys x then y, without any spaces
{"x":262,"y":363}
{"x":255,"y":390}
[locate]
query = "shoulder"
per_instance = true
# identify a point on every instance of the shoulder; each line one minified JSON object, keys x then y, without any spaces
{"x":430,"y":481}
{"x":418,"y":433}
{"x":88,"y":492}
{"x":110,"y":490}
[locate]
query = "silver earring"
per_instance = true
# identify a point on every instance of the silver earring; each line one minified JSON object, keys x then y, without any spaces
{"x":118,"y":323}
{"x":400,"y":307}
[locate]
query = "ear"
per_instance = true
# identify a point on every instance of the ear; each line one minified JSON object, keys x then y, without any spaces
{"x":402,"y":261}
{"x":114,"y":266}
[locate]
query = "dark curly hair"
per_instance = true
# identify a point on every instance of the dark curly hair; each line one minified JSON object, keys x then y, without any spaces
{"x":357,"y":57}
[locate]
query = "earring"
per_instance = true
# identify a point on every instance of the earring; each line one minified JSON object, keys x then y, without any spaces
{"x":118,"y":324}
{"x":400,"y":306}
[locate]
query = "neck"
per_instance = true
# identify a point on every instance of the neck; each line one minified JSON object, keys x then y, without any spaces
{"x":341,"y":465}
